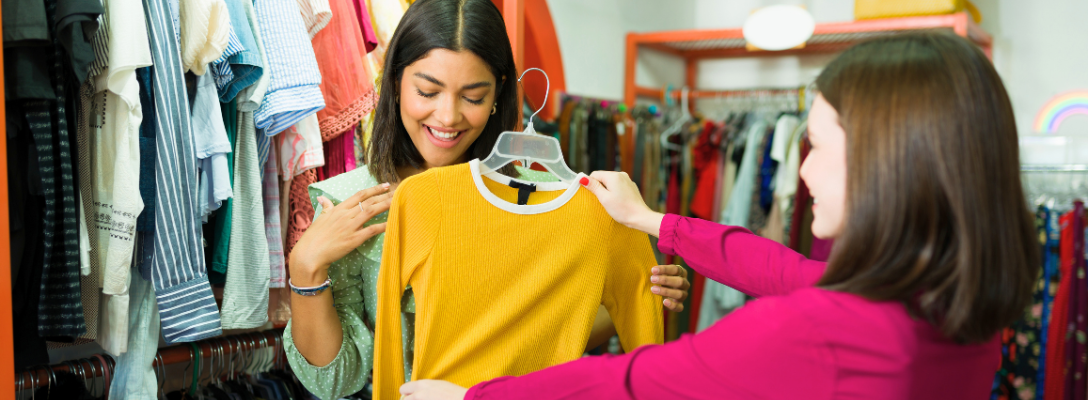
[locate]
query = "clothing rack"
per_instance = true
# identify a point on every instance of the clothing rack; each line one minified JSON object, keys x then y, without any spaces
{"x":565,"y":97}
{"x":695,"y":45}
{"x":1054,"y":168}
{"x":182,"y":353}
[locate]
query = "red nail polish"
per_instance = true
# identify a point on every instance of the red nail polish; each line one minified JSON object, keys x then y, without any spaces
{"x":584,"y":181}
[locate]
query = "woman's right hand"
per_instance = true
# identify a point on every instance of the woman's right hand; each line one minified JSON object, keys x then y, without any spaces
{"x":338,"y":230}
{"x":621,"y":199}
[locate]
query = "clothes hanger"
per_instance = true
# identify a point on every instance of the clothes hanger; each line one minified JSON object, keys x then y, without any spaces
{"x":528,"y":147}
{"x":674,"y":129}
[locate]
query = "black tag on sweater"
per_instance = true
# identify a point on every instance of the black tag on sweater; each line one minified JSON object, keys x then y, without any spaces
{"x":524,"y":189}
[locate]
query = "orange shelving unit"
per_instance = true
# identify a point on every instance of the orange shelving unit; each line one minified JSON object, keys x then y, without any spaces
{"x":696,"y":45}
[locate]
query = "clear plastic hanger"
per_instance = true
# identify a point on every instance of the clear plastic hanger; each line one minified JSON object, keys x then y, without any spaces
{"x":675,"y":128}
{"x":528,"y":147}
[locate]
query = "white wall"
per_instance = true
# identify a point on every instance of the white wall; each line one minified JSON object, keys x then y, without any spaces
{"x":592,"y":37}
{"x":1040,"y":50}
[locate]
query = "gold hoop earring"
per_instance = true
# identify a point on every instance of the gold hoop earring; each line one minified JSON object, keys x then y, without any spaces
{"x":396,"y":99}
{"x":494,"y":109}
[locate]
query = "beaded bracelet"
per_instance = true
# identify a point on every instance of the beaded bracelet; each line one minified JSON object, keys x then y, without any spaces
{"x":310,"y":291}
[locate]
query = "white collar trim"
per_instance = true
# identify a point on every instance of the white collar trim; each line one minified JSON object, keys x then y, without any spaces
{"x":570,"y":190}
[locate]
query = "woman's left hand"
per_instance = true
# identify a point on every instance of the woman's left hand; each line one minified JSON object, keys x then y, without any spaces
{"x":431,"y":390}
{"x":670,"y":282}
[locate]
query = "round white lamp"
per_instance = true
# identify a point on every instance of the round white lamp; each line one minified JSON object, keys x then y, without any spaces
{"x":779,"y":27}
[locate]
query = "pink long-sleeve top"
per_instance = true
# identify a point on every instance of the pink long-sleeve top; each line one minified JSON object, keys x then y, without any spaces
{"x":795,"y":342}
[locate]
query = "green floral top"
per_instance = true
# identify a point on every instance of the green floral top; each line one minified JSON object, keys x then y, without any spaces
{"x":354,"y":291}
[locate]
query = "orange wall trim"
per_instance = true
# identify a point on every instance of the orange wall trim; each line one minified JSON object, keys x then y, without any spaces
{"x":7,"y":341}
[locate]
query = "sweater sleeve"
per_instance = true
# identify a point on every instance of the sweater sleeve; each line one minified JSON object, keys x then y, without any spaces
{"x":735,"y":257}
{"x":766,"y":349}
{"x":414,"y":221}
{"x":635,"y":311}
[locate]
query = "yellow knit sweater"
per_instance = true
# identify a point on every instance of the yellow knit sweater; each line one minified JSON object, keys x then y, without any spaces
{"x":503,"y":289}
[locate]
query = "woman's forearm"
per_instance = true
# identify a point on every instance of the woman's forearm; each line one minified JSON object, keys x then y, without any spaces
{"x":735,"y":257}
{"x":316,"y":328}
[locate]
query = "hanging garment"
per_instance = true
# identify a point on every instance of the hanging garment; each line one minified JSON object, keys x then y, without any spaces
{"x":1021,"y":341}
{"x":370,"y":39}
{"x":60,"y":311}
{"x":355,"y":295}
{"x":719,"y":299}
{"x":245,"y":66}
{"x":212,"y":148}
{"x":205,"y":32}
{"x":1076,"y":355}
{"x":134,"y":377}
{"x":250,"y":97}
{"x":1059,"y":325}
{"x":336,"y":159}
{"x":110,"y":136}
{"x":385,"y":15}
{"x":25,"y":210}
{"x":551,"y":286}
{"x":90,"y":278}
{"x":705,"y":164}
{"x":245,"y":293}
{"x":315,"y":15}
{"x":301,"y":213}
{"x":293,"y":92}
{"x":350,"y":149}
{"x":186,"y":306}
{"x":789,"y":170}
{"x":27,"y":45}
{"x":757,"y":214}
{"x":219,"y":242}
{"x":1049,"y":286}
{"x":271,"y":193}
{"x":300,"y":148}
{"x":802,"y":205}
{"x":346,"y":82}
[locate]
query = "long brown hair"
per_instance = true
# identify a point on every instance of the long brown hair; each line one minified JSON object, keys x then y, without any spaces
{"x":935,"y":214}
{"x":465,"y":25}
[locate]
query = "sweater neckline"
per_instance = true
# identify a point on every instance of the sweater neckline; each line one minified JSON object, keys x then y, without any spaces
{"x":570,"y":189}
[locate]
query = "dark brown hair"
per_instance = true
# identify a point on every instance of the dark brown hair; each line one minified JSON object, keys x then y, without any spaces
{"x":471,"y":25}
{"x":935,"y":214}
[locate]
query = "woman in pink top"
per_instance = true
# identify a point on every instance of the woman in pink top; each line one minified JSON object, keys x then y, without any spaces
{"x":914,"y":166}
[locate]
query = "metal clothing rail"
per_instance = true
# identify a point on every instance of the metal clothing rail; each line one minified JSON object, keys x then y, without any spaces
{"x":1054,"y":168}
{"x":564,"y":97}
{"x":94,"y":367}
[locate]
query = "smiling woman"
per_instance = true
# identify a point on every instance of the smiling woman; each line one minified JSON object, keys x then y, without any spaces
{"x":448,"y":97}
{"x":449,"y":68}
{"x":448,"y":91}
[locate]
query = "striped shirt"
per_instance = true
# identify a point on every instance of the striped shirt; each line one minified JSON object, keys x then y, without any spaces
{"x":272,"y":222}
{"x":316,"y":14}
{"x":60,"y":310}
{"x":293,"y":91}
{"x":186,"y":306}
{"x":245,"y":293}
{"x":220,"y":67}
{"x":245,"y":66}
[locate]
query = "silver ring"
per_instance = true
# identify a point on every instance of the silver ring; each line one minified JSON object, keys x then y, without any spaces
{"x":361,"y":208}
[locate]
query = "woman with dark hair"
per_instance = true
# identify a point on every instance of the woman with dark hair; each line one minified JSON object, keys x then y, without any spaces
{"x":449,"y":90}
{"x":914,"y":166}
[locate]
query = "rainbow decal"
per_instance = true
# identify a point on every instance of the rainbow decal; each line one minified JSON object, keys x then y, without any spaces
{"x":1059,"y":108}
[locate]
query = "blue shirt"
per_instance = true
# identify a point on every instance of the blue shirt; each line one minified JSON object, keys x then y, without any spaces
{"x":293,"y":92}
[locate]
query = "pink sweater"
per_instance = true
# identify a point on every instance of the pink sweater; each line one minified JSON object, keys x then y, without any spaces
{"x":795,"y":342}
